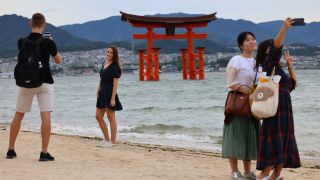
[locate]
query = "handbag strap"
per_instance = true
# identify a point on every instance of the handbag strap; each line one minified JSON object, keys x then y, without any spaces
{"x":255,"y":78}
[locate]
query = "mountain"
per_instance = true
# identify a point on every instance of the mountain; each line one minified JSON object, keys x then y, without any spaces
{"x":221,"y":31}
{"x":111,"y":29}
{"x":14,"y":27}
{"x":309,"y":34}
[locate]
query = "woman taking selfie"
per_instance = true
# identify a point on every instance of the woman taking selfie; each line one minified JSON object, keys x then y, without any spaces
{"x":277,"y":144}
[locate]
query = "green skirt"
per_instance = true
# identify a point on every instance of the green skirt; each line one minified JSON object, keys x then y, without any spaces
{"x":240,"y":139}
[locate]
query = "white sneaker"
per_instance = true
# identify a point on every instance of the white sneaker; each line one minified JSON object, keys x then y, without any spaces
{"x":111,"y":144}
{"x":106,"y":144}
{"x":250,"y":175}
{"x":236,"y":175}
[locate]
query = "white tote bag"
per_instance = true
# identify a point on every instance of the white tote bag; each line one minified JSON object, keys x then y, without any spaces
{"x":265,"y":98}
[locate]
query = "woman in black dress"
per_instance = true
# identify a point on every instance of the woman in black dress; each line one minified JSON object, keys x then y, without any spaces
{"x":107,"y":98}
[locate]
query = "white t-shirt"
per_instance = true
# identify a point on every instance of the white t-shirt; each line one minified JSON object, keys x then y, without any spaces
{"x":240,"y":70}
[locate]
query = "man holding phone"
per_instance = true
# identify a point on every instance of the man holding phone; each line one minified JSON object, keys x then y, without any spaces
{"x":44,"y":48}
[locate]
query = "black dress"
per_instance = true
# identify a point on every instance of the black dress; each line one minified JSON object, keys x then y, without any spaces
{"x":106,"y":85}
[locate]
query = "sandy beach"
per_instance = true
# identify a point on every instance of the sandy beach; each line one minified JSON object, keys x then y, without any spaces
{"x":80,"y":158}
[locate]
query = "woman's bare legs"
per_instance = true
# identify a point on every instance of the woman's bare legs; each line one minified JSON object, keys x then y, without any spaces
{"x":102,"y":123}
{"x":233,"y":164}
{"x":265,"y":172}
{"x":246,"y":167}
{"x":276,"y":172}
{"x":113,"y":124}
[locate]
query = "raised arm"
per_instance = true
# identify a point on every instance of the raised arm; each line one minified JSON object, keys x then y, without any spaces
{"x":292,"y":72}
{"x":278,"y":41}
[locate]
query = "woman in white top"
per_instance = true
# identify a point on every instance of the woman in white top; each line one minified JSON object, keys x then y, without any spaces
{"x":240,"y":133}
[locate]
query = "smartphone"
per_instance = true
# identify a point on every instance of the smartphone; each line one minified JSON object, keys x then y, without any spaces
{"x":47,"y":35}
{"x":298,"y":22}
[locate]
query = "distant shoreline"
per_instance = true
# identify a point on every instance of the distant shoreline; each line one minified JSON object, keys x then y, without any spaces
{"x":10,"y":75}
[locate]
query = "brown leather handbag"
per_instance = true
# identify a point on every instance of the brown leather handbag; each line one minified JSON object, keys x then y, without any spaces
{"x":237,"y":104}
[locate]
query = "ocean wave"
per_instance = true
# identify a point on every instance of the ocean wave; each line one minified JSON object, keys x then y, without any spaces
{"x":173,"y":135}
{"x":170,"y":137}
{"x":201,"y":108}
{"x":163,"y":129}
{"x":135,"y":135}
{"x":152,"y":108}
{"x":306,"y":109}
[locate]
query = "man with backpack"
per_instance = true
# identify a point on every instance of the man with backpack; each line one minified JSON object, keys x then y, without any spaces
{"x":33,"y":76}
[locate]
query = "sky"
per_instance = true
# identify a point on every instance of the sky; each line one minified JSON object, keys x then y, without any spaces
{"x":63,"y":12}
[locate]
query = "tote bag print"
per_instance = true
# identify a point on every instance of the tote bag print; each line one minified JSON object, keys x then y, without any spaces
{"x":266,"y":97}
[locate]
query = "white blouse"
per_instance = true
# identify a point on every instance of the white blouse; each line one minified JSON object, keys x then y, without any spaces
{"x":240,"y":70}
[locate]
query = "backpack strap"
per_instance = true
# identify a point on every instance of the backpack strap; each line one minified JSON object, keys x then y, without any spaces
{"x":38,"y":50}
{"x":25,"y":41}
{"x":36,"y":44}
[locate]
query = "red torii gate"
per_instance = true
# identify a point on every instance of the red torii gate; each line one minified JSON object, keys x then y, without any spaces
{"x":169,"y":23}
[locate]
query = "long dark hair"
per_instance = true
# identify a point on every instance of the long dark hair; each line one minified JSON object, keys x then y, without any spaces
{"x":115,"y":57}
{"x":261,"y":53}
{"x":242,"y":37}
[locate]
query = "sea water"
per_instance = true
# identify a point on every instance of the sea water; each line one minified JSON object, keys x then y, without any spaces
{"x":172,"y":111}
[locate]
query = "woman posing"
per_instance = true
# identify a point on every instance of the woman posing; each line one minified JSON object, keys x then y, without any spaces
{"x":107,"y":98}
{"x":240,"y":133}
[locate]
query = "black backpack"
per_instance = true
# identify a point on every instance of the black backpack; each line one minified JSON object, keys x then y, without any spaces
{"x":29,"y":70}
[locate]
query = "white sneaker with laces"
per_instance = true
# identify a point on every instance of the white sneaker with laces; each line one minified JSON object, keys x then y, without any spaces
{"x":236,"y":175}
{"x":250,"y":175}
{"x":106,"y":144}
